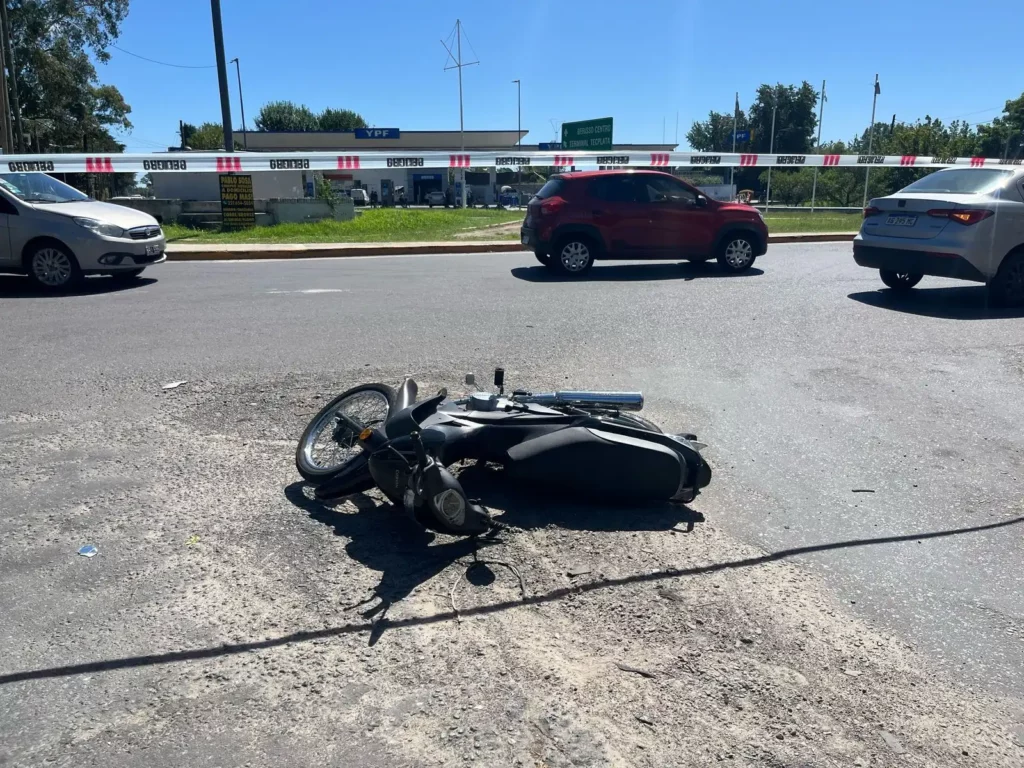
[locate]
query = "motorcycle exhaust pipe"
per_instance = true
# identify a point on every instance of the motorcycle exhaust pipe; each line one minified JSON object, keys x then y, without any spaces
{"x":618,"y":401}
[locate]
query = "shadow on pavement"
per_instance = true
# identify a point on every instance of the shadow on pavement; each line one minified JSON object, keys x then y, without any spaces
{"x":961,"y":303}
{"x":301,"y":636}
{"x":18,"y":287}
{"x":632,"y":272}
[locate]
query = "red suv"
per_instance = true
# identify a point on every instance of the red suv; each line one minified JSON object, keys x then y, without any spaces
{"x":578,"y":217}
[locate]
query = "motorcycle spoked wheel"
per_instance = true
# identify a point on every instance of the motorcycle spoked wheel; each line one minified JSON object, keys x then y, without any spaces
{"x":327,"y":448}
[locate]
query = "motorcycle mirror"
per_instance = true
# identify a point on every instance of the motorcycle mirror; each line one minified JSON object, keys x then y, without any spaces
{"x":443,"y":392}
{"x":499,"y":377}
{"x":470,"y":380}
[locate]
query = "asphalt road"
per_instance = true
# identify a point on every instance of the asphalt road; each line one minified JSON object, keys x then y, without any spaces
{"x":835,"y":411}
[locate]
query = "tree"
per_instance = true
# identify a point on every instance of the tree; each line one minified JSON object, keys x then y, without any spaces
{"x":1004,"y":137}
{"x":789,"y":187}
{"x":286,"y":116}
{"x":63,"y":105}
{"x":715,"y":133}
{"x":206,"y":136}
{"x":340,"y":120}
{"x":795,"y":118}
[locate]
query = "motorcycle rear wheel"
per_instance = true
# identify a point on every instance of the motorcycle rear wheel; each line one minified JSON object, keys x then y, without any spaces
{"x":327,"y":447}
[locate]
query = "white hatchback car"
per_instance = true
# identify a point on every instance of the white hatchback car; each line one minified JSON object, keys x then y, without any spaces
{"x":966,"y":223}
{"x":55,"y":234}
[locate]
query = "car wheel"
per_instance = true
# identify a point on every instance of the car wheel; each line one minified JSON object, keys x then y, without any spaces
{"x":574,"y":255}
{"x":127,"y":276}
{"x":1006,"y":289}
{"x":53,"y":268}
{"x":736,"y":254}
{"x":899,"y":281}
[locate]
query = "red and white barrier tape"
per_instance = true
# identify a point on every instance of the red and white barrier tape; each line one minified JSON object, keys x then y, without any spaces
{"x":250,"y":162}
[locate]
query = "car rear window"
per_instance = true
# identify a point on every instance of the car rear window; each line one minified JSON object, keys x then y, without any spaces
{"x":960,"y":181}
{"x":552,"y":188}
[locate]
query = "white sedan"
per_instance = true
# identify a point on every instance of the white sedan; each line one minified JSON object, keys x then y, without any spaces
{"x":966,"y":223}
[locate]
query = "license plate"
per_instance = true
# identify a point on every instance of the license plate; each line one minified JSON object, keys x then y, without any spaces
{"x":153,"y":250}
{"x":901,"y":221}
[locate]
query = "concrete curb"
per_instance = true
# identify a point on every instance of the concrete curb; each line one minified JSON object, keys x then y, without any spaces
{"x":232,"y":252}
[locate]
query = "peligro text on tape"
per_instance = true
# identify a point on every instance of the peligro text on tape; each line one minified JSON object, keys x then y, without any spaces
{"x":253,"y":162}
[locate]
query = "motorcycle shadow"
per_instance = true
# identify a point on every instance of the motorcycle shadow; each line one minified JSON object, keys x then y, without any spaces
{"x":526,"y":507}
{"x":383,"y":539}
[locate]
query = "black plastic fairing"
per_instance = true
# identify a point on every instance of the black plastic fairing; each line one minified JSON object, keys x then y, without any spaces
{"x":598,"y":464}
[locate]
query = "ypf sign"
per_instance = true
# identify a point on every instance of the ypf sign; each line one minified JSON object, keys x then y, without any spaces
{"x":378,"y":133}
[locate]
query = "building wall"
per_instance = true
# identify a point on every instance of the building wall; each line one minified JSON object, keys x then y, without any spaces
{"x":266,"y":185}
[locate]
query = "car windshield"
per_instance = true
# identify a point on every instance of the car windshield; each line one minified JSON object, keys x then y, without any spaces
{"x":39,"y":188}
{"x":961,"y":181}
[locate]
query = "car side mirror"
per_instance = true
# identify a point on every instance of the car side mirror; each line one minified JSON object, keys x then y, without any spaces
{"x":701,"y":201}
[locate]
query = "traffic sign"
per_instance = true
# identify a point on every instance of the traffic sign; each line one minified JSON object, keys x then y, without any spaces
{"x":742,"y":135}
{"x":588,"y":135}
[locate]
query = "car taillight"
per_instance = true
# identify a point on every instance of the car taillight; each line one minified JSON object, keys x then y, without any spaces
{"x":965,"y":216}
{"x":551,"y":205}
{"x":871,"y":211}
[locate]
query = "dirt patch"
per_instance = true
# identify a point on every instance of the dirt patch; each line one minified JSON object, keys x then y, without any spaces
{"x":240,"y":621}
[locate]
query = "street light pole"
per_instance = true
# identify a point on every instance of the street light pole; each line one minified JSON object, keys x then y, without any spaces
{"x":771,"y":151}
{"x":459,"y":65}
{"x":241,"y":102}
{"x":871,"y":137}
{"x":821,"y":114}
{"x":222,"y":76}
{"x":735,"y":119}
{"x":519,"y":123}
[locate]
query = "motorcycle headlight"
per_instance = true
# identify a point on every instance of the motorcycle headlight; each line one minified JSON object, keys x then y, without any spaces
{"x":100,"y":227}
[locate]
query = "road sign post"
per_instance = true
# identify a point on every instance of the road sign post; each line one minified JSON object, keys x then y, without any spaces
{"x":588,"y":135}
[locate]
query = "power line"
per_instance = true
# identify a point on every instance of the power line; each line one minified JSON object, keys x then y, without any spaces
{"x":164,"y":63}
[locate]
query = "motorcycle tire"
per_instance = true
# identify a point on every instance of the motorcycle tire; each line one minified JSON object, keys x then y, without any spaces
{"x":354,"y":478}
{"x":381,"y":396}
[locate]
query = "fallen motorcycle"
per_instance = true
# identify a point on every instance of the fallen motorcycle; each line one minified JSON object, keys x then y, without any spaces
{"x":589,"y":444}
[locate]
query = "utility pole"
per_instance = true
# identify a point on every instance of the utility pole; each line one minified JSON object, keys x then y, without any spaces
{"x":241,"y":103}
{"x":821,"y":114}
{"x":871,"y":136}
{"x":459,"y":64}
{"x":5,"y":110}
{"x":519,"y":124}
{"x":17,"y":138}
{"x":735,"y":120}
{"x":771,"y":151}
{"x":222,"y":76}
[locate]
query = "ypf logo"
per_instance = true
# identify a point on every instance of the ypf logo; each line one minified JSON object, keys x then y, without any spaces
{"x":99,"y":165}
{"x":229,"y":164}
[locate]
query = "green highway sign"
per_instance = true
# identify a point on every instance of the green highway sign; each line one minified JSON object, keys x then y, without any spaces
{"x":587,"y":135}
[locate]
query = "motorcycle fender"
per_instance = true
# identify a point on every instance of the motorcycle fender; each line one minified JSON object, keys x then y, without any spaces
{"x":599,"y":464}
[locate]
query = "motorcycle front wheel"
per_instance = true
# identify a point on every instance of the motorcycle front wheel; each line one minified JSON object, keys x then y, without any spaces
{"x":329,"y":446}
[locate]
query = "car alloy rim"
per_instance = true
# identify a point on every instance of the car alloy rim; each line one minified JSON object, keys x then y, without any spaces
{"x":51,"y":267}
{"x":903,"y":277}
{"x":575,"y":256}
{"x":739,"y":253}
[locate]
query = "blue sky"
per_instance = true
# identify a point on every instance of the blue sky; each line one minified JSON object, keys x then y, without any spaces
{"x":640,"y":63}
